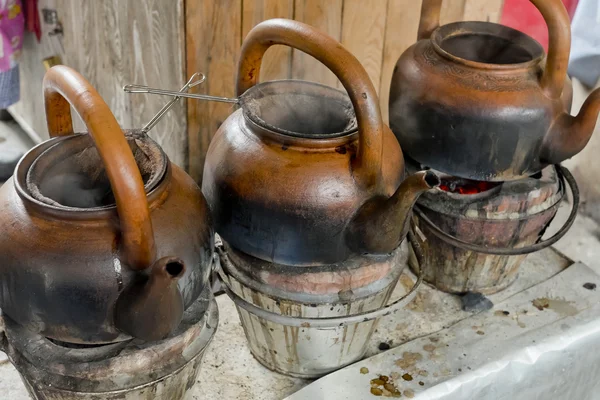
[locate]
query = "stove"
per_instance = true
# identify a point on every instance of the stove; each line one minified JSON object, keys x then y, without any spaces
{"x":125,"y":370}
{"x":475,"y":234}
{"x":307,"y":322}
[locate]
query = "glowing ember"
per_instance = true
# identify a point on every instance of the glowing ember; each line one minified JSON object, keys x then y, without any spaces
{"x":463,"y":186}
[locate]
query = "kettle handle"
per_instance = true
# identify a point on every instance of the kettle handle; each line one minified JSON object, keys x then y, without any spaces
{"x":63,"y":88}
{"x":557,"y":19}
{"x":430,"y":18}
{"x":341,"y":62}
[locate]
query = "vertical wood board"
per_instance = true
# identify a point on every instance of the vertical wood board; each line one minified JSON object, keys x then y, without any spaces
{"x":401,"y":32}
{"x":213,"y":39}
{"x":277,"y":63}
{"x":452,"y":11}
{"x":325,"y":15}
{"x":363,"y":33}
{"x":483,"y":10}
{"x":112,"y":43}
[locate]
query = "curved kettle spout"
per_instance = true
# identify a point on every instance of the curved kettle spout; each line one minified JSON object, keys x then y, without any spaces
{"x":151,"y":308}
{"x":569,"y":135}
{"x":382,"y":223}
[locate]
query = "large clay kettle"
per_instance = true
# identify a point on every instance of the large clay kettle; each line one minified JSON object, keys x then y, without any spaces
{"x":102,"y":237}
{"x":293,"y":177}
{"x":481,"y":101}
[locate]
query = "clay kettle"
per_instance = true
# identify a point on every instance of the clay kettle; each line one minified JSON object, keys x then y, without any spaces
{"x":482,"y":101}
{"x":293,"y":176}
{"x":103,"y":238}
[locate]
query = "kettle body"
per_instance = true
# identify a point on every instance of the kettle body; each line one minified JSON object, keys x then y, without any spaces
{"x":289,"y":175}
{"x":71,"y":225}
{"x":482,"y":101}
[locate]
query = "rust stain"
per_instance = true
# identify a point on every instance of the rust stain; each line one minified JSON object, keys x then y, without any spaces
{"x":562,"y":307}
{"x":402,"y":326}
{"x":364,"y":370}
{"x":407,"y":377}
{"x":541,"y":303}
{"x":429,"y":348}
{"x":384,"y":386}
{"x":408,"y":360}
{"x":406,"y":282}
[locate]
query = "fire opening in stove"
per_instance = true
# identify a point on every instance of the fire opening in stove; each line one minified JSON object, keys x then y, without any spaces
{"x":465,"y":186}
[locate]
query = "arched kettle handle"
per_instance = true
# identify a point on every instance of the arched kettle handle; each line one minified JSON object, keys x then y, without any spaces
{"x":559,"y":32}
{"x":341,"y":62}
{"x":430,"y":18}
{"x":559,"y":46}
{"x":64,"y":87}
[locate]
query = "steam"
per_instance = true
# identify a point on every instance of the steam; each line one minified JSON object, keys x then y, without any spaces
{"x":300,"y":109}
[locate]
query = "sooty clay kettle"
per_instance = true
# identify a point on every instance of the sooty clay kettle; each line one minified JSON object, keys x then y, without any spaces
{"x":478,"y":101}
{"x":102,"y":237}
{"x":293,"y":177}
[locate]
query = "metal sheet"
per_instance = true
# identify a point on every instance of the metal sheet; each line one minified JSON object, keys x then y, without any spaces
{"x":540,"y":349}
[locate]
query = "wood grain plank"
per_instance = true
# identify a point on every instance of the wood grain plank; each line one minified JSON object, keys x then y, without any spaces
{"x":452,"y":11}
{"x":213,"y":39}
{"x":277,"y":63}
{"x":401,"y":32}
{"x":81,"y":45}
{"x":325,"y":15}
{"x":132,"y":42}
{"x":483,"y":10}
{"x":111,"y":43}
{"x":30,"y":110}
{"x":153,"y":38}
{"x":363,"y":34}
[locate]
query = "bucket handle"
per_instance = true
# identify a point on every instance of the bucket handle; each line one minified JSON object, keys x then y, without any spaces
{"x":331,"y":322}
{"x":65,"y":87}
{"x":565,"y":175}
{"x":341,"y":62}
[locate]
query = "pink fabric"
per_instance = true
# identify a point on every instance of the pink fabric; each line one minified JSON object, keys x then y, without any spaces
{"x":523,"y":16}
{"x":12,"y":25}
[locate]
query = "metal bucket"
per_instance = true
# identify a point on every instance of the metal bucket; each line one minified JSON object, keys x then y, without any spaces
{"x":309,"y":321}
{"x":504,"y":226}
{"x":163,"y":370}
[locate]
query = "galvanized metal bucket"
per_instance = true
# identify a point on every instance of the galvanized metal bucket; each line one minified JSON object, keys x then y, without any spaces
{"x":163,"y":370}
{"x":479,"y":245}
{"x":309,"y":321}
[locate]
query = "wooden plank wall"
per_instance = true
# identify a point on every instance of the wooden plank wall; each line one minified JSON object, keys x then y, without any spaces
{"x":113,"y":43}
{"x":376,"y":31}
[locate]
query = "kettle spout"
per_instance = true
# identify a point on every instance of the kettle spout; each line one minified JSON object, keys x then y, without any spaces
{"x":569,"y":134}
{"x":152,"y":307}
{"x":382,"y":223}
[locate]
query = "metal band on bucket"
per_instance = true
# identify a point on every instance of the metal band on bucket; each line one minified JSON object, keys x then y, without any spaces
{"x":565,"y":175}
{"x":327,"y":322}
